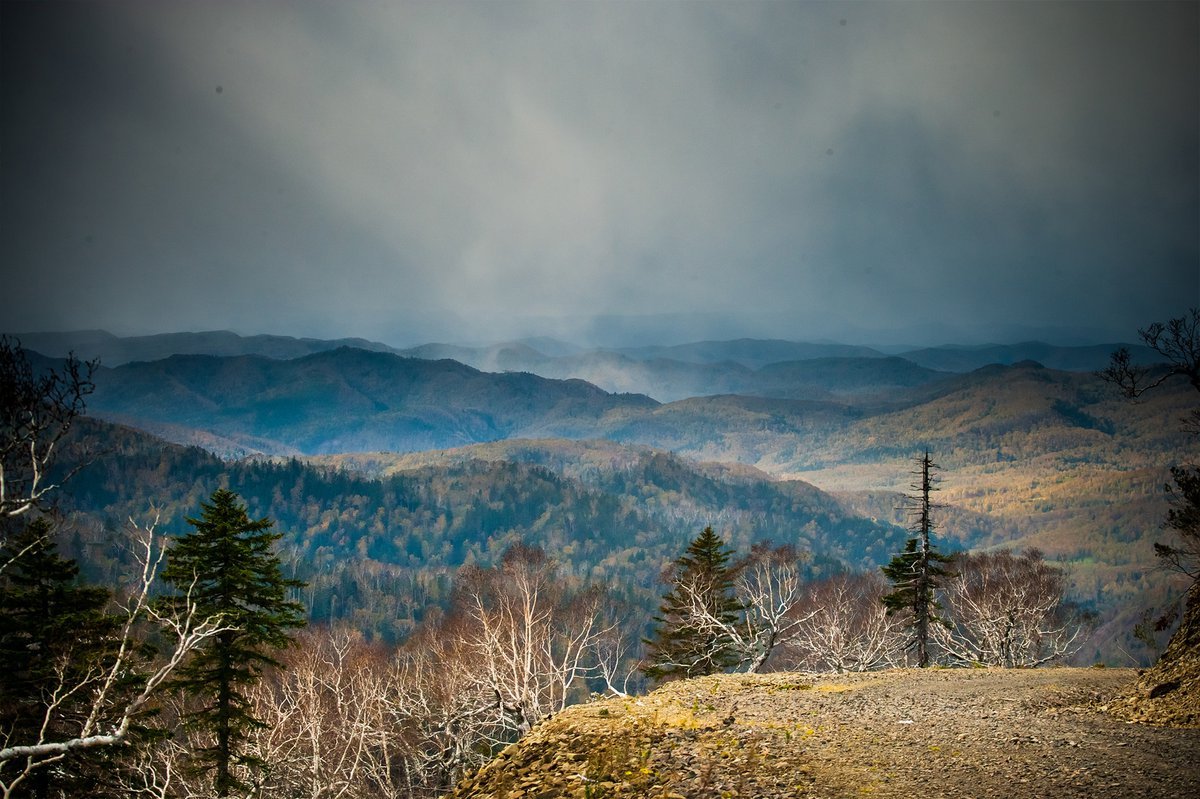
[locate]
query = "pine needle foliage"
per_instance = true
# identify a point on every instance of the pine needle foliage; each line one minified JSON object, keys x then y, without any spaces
{"x":228,"y":565}
{"x":680,"y":648}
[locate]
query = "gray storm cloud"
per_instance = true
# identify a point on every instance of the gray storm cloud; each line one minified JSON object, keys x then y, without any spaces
{"x":477,"y":170}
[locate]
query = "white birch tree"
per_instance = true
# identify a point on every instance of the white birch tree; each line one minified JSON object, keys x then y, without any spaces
{"x":1007,"y":610}
{"x":534,"y":636}
{"x":36,"y":411}
{"x":108,"y":711}
{"x":768,"y":586}
{"x":847,"y":627}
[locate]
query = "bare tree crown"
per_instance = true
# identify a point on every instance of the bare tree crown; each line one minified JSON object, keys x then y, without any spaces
{"x":37,"y":410}
{"x":1177,"y":341}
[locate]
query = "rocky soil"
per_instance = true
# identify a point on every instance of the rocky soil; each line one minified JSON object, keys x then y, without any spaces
{"x":1169,"y":692}
{"x":907,"y":733}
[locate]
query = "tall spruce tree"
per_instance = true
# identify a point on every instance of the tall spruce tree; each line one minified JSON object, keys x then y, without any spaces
{"x":915,"y":572}
{"x":228,"y":565}
{"x":681,"y":647}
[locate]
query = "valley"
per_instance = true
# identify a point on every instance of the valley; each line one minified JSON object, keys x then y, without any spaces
{"x":1031,"y":457}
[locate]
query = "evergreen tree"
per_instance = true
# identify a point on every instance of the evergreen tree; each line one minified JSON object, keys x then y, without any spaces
{"x":914,"y":573}
{"x":228,"y":564}
{"x":55,"y":641}
{"x":681,"y":647}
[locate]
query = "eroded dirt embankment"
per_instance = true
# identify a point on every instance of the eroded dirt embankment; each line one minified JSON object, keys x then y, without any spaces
{"x":908,"y":733}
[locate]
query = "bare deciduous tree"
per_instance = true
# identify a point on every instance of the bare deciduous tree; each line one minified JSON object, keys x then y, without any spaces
{"x":1007,"y":610}
{"x":534,"y":636}
{"x":440,"y":703}
{"x":322,"y":716}
{"x":36,"y":412}
{"x":847,"y":627}
{"x":613,"y":648}
{"x":769,"y":589}
{"x":1177,"y":341}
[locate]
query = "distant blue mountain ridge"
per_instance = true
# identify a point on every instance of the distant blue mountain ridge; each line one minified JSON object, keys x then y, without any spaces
{"x":751,"y":367}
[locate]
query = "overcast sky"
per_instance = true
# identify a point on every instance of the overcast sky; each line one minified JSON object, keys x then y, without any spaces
{"x":477,"y":171}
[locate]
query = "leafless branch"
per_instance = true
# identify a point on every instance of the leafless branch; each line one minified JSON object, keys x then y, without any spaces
{"x":1177,"y":341}
{"x":1007,"y":610}
{"x":108,"y":718}
{"x":36,"y":412}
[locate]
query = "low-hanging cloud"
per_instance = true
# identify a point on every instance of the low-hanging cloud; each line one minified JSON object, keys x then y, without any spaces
{"x":477,"y":170}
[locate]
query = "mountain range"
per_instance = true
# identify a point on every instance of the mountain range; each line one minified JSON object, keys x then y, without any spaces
{"x":1031,"y":456}
{"x":666,"y":373}
{"x":347,"y":400}
{"x":113,"y":350}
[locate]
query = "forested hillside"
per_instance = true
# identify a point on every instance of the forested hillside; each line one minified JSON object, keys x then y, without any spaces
{"x":1033,"y":457}
{"x":380,"y":550}
{"x":1054,"y":459}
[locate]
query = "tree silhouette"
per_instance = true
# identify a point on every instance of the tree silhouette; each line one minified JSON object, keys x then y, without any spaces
{"x":37,"y":409}
{"x":1178,"y":343}
{"x":915,"y":572}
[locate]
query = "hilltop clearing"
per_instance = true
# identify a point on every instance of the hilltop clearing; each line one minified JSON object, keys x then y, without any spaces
{"x":934,"y":733}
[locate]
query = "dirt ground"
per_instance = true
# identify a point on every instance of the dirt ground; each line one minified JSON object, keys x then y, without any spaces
{"x":928,"y":733}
